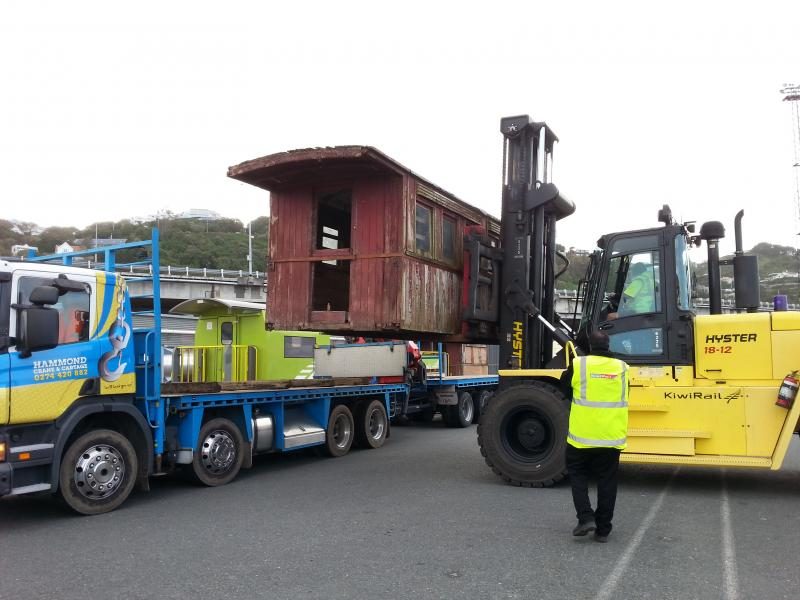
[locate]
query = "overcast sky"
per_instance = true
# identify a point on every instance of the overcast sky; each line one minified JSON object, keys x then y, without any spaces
{"x":112,"y":110}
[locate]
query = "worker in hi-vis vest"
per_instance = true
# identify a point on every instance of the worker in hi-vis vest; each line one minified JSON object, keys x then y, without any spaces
{"x":597,"y":385}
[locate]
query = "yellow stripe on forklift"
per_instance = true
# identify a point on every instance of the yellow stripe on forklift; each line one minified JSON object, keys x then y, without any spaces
{"x":702,"y":460}
{"x":531,"y":373}
{"x":670,"y":433}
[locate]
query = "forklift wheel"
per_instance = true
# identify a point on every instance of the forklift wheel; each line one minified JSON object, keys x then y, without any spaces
{"x":523,"y":434}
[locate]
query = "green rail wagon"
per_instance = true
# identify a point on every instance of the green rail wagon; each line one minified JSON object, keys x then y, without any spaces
{"x":231,"y":344}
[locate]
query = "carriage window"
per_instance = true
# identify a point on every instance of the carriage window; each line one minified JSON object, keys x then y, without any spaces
{"x":424,"y":226}
{"x":448,"y":239}
{"x":298,"y":347}
{"x":334,"y":212}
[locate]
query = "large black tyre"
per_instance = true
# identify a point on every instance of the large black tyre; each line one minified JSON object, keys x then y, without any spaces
{"x":372,"y":424}
{"x":481,"y":400}
{"x":341,"y":431}
{"x":98,"y":472}
{"x":219,"y":453}
{"x":461,"y":414}
{"x":522,"y":434}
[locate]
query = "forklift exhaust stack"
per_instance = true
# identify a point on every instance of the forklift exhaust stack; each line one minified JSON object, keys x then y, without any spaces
{"x":745,"y":273}
{"x":712,"y":232}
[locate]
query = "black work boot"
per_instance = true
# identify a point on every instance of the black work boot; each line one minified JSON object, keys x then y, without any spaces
{"x":584,"y":528}
{"x":599,"y":537}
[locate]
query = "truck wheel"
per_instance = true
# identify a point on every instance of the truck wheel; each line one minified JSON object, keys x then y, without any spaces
{"x":460,"y":415}
{"x":341,"y":427}
{"x":219,"y":455}
{"x":522,"y":435}
{"x":98,"y":472}
{"x":372,"y":424}
{"x":480,"y":404}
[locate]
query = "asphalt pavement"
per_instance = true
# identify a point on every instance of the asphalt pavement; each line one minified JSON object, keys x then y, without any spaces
{"x":422,"y":517}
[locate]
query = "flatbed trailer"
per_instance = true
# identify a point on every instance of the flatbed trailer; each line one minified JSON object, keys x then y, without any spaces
{"x":461,"y":399}
{"x":84,"y":412}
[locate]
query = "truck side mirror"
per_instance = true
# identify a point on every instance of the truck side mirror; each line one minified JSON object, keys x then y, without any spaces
{"x":44,"y":294}
{"x":38,"y":329}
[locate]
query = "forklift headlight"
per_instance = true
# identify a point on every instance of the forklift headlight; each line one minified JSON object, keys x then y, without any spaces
{"x":2,"y":452}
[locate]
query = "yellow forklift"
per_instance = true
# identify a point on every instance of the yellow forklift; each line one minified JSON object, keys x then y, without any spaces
{"x":715,"y":389}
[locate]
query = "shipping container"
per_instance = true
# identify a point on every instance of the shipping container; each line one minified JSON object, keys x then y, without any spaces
{"x":360,"y":245}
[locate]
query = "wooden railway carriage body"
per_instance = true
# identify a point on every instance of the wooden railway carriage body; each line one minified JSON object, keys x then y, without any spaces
{"x":360,"y":245}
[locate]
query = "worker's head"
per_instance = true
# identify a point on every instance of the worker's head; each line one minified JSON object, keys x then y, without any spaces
{"x":598,"y":340}
{"x":636,"y":269}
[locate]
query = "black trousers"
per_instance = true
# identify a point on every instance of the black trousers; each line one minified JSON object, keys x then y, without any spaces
{"x":599,"y":463}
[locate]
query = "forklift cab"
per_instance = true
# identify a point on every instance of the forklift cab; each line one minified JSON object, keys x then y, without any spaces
{"x":638,"y":291}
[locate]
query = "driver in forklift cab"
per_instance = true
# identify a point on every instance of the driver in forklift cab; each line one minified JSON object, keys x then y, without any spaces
{"x":638,"y":297}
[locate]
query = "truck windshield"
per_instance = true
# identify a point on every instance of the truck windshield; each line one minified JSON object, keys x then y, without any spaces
{"x":683,"y":269}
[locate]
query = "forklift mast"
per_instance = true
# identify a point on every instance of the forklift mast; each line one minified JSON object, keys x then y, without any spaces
{"x":531,"y":205}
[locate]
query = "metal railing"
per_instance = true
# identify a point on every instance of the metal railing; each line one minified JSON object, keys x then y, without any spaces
{"x":139,"y":269}
{"x":190,"y":272}
{"x":437,"y":364}
{"x":203,"y":364}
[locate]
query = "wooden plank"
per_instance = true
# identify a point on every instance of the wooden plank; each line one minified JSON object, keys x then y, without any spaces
{"x":188,"y":389}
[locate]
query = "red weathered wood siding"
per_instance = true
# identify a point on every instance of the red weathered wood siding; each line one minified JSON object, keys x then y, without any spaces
{"x":432,"y":299}
{"x":290,"y":236}
{"x":374,"y":241}
{"x":394,"y":290}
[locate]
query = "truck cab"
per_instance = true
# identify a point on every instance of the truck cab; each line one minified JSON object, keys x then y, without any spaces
{"x":66,"y":352}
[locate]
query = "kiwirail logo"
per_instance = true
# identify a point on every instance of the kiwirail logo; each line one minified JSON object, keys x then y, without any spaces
{"x":704,"y":395}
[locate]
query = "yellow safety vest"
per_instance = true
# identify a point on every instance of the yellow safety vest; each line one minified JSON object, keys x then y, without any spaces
{"x":641,"y":292}
{"x":598,"y":417}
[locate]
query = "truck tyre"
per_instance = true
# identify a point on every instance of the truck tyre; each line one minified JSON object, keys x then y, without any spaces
{"x":219,"y":453}
{"x":481,"y":400}
{"x":461,"y":414}
{"x":522,"y":434}
{"x":340,"y":433}
{"x":98,"y":472}
{"x":372,"y":424}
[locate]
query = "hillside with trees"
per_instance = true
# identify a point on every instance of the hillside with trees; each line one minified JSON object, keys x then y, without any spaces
{"x":215,"y":244}
{"x":222,"y":244}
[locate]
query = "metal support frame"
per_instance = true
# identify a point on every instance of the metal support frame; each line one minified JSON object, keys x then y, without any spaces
{"x":531,"y":206}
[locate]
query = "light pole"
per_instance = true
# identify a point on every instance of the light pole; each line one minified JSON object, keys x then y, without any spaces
{"x":249,"y":248}
{"x":791,"y":94}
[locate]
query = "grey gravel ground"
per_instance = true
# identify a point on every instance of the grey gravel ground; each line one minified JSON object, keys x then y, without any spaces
{"x":422,"y":517}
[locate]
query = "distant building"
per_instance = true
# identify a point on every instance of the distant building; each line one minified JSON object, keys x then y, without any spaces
{"x":202,"y":214}
{"x":64,"y":248}
{"x":22,"y":249}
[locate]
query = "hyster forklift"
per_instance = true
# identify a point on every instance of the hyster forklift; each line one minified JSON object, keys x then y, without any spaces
{"x":703,"y":388}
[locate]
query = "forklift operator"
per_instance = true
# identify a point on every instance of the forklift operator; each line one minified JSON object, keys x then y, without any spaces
{"x":638,"y":297}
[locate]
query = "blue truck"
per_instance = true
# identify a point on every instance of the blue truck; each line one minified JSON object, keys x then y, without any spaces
{"x":85,"y":412}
